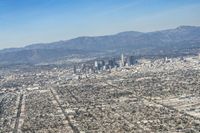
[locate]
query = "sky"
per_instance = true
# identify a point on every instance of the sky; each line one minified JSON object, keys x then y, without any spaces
{"x":25,"y":22}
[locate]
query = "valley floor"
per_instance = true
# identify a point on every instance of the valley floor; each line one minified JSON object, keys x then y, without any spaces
{"x":150,"y":97}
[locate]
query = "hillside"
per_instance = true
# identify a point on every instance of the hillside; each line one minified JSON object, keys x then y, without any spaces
{"x":183,"y":39}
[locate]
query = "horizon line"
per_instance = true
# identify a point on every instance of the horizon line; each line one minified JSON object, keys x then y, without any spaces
{"x":63,"y":40}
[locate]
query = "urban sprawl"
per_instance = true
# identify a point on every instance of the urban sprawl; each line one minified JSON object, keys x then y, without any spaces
{"x":128,"y":95}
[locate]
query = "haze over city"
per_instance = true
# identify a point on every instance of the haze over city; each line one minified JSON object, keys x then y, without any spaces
{"x":25,"y":22}
{"x":99,"y":66}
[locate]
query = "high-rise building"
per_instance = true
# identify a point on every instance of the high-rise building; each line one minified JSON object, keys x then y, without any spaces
{"x":122,"y":62}
{"x":97,"y":65}
{"x":83,"y":68}
{"x":131,"y":60}
{"x":74,"y":69}
{"x":111,"y":63}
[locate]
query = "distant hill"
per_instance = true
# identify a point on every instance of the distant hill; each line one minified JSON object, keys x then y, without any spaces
{"x":183,"y":39}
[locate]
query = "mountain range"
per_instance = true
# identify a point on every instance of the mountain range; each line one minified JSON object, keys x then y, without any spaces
{"x":181,"y":40}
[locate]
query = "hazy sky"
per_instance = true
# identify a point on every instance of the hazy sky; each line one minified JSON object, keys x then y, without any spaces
{"x":24,"y":22}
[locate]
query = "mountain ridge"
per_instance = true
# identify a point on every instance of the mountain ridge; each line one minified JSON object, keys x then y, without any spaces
{"x":180,"y":38}
{"x":120,"y":33}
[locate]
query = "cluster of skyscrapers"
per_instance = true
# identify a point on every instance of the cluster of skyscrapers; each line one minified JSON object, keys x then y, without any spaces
{"x":101,"y":65}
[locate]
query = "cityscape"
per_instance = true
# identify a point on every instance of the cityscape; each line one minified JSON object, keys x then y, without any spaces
{"x":99,"y":66}
{"x":104,"y":65}
{"x":144,"y":95}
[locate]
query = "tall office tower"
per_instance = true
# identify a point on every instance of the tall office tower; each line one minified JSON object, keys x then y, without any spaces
{"x":114,"y":62}
{"x":122,"y":63}
{"x":131,"y":60}
{"x":111,"y":63}
{"x":83,"y":68}
{"x":74,"y":69}
{"x":96,"y":64}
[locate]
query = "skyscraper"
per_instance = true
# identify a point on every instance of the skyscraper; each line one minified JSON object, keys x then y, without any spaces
{"x":74,"y":69}
{"x":131,"y":60}
{"x":122,"y":63}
